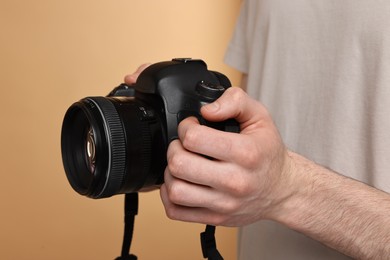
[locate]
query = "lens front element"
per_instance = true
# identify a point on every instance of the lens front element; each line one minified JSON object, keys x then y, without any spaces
{"x":91,"y":151}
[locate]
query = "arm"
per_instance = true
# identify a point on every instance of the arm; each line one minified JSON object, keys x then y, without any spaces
{"x":342,"y":213}
{"x":255,"y":177}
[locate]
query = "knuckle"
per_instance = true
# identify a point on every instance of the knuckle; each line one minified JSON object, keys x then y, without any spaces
{"x":237,"y":94}
{"x":239,"y":185}
{"x":176,"y":164}
{"x":175,"y":193}
{"x":230,"y":206}
{"x":171,"y":213}
{"x":240,"y":188}
{"x":251,"y":160}
{"x":190,"y":138}
{"x":218,"y":220}
{"x":251,"y":156}
{"x":235,"y":91}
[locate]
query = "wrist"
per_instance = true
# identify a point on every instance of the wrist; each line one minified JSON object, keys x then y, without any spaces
{"x":295,"y":189}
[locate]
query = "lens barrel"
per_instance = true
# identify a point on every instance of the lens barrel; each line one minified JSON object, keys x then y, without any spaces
{"x":112,"y":145}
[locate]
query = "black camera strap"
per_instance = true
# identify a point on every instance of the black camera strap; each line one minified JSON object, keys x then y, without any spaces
{"x":209,"y":246}
{"x":131,"y":210}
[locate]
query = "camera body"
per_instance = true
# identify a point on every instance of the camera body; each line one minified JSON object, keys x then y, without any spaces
{"x":117,"y":144}
{"x":180,"y":87}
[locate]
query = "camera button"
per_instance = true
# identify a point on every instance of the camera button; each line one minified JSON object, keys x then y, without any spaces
{"x":209,"y":91}
{"x":146,"y":114}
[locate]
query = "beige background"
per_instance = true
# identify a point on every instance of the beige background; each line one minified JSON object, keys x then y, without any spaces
{"x":53,"y":53}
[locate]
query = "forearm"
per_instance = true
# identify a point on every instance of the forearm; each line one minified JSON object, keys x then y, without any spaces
{"x":342,"y":213}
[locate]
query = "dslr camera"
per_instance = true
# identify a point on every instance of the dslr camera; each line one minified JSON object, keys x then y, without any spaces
{"x":117,"y":144}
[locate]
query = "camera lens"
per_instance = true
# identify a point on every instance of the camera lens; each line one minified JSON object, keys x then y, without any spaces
{"x":112,"y":145}
{"x":91,"y":151}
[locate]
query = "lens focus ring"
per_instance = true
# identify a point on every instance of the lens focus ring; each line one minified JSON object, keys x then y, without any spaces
{"x":116,"y":145}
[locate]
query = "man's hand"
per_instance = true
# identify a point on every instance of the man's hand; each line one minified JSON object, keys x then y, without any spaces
{"x":253,"y":176}
{"x":245,"y":180}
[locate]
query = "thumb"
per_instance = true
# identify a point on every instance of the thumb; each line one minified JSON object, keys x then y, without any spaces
{"x":235,"y":103}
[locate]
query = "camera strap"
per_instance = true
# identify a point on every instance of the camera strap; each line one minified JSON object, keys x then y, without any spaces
{"x":131,"y":210}
{"x":208,"y":243}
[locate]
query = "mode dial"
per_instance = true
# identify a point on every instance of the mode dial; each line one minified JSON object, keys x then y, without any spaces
{"x":209,"y":91}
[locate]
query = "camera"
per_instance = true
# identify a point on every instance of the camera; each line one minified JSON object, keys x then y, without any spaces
{"x":117,"y":144}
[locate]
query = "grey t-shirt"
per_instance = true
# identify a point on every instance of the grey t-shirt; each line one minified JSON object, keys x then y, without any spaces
{"x":322,"y":68}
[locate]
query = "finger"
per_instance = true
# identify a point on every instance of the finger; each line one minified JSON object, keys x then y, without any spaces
{"x":235,"y":103}
{"x":132,"y":78}
{"x":192,"y":167}
{"x":184,"y":193}
{"x":223,"y":146}
{"x":225,"y":177}
{"x":189,"y":214}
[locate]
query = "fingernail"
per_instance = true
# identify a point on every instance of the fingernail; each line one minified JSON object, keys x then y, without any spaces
{"x":212,"y":107}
